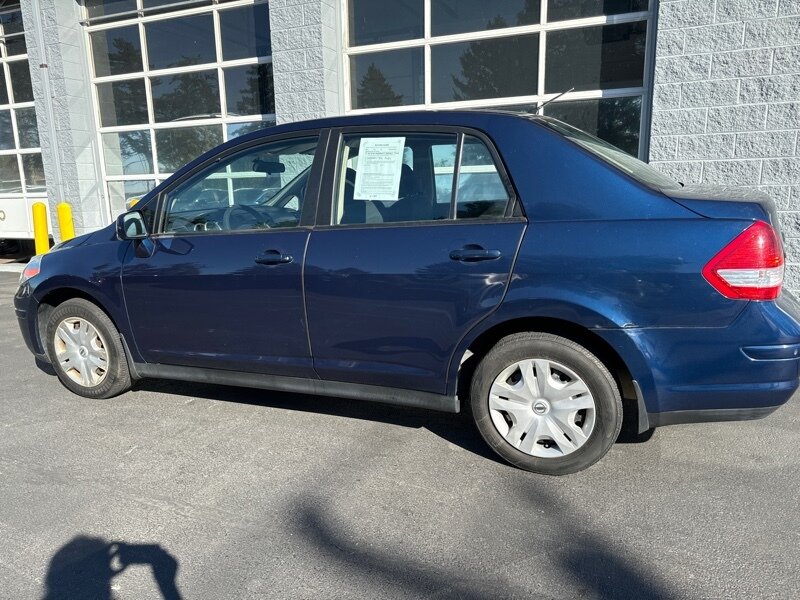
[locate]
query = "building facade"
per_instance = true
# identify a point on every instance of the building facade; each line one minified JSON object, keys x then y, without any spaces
{"x":102,"y":99}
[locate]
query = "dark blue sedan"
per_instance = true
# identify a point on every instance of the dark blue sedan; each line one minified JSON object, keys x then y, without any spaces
{"x":513,"y":263}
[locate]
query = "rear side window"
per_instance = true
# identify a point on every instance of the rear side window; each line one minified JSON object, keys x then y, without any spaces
{"x":408,"y":177}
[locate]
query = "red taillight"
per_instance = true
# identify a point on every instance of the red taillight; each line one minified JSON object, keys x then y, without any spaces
{"x":750,"y":267}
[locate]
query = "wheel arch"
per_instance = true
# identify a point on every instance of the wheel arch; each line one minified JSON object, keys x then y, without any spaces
{"x":589,"y":339}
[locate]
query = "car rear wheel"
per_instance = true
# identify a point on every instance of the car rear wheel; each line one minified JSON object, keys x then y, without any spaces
{"x":86,"y":351}
{"x":545,"y":403}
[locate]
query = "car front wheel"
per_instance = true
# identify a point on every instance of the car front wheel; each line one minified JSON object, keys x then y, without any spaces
{"x":86,"y":351}
{"x":545,"y":403}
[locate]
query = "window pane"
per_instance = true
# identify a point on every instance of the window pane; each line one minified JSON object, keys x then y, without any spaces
{"x":481,"y":192}
{"x":100,"y":8}
{"x":261,"y":188}
{"x":372,"y":22}
{"x":180,"y":42}
{"x":245,"y":32}
{"x":392,"y":179}
{"x":6,"y":131}
{"x":485,"y":69}
{"x":3,"y":91}
{"x":560,"y":10}
{"x":444,"y":160}
{"x":122,"y":192}
{"x":122,"y":103}
{"x":459,"y":16}
{"x":9,"y":174}
{"x":157,"y":3}
{"x":615,"y":120}
{"x":34,"y":172}
{"x":239,"y":129}
{"x":177,"y":147}
{"x":128,"y":153}
{"x":116,"y":51}
{"x":27,"y":128}
{"x":21,"y":81}
{"x":387,"y":78}
{"x":249,"y":90}
{"x":16,"y":45}
{"x":604,"y":57}
{"x":186,"y":96}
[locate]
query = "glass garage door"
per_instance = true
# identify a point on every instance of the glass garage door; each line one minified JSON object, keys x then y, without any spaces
{"x":172,"y":80}
{"x":21,"y":173}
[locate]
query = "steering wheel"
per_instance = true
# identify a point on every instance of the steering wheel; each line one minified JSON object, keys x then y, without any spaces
{"x":259,"y":218}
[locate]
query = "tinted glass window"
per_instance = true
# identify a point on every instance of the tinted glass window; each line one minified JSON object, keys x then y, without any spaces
{"x":180,"y":42}
{"x":481,"y":191}
{"x":21,"y":81}
{"x":185,"y":96}
{"x":485,"y":69}
{"x":394,"y":178}
{"x":9,"y":174}
{"x":245,"y":32}
{"x":261,"y":188}
{"x":6,"y":131}
{"x":116,"y":51}
{"x":3,"y":90}
{"x":371,"y":22}
{"x":610,"y":56}
{"x":122,"y":103}
{"x":101,"y":8}
{"x":14,"y":32}
{"x":34,"y":172}
{"x":238,"y":129}
{"x":249,"y":91}
{"x":26,"y":128}
{"x":459,"y":16}
{"x":128,"y":153}
{"x":615,"y":120}
{"x":560,"y":10}
{"x":389,"y":78}
{"x":180,"y":146}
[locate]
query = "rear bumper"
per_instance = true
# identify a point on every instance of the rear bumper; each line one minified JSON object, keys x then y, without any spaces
{"x":744,"y":371}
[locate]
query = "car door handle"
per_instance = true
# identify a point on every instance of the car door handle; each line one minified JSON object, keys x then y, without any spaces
{"x":475,"y":254}
{"x":273,"y":257}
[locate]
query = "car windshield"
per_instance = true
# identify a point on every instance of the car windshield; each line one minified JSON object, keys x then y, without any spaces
{"x":634,"y":167}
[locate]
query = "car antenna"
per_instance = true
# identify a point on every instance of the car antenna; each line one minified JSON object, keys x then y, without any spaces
{"x":546,"y":102}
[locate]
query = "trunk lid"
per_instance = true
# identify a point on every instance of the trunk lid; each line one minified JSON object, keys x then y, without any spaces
{"x":724,"y":202}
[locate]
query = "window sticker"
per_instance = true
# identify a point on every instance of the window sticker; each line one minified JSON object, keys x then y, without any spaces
{"x":380,"y":163}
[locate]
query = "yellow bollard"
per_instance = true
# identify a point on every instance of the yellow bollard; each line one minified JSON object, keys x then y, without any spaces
{"x":64,"y":213}
{"x":40,"y":235}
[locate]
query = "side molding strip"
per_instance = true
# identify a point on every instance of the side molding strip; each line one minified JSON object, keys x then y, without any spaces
{"x":357,"y":391}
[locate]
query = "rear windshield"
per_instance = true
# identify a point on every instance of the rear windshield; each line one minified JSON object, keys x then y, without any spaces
{"x":634,"y":167}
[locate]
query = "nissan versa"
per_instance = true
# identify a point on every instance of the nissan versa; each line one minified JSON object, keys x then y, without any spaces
{"x":545,"y":278}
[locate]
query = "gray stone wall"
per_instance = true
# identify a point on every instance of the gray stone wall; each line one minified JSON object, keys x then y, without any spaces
{"x":64,"y":111}
{"x":726,"y":102}
{"x":305,"y":58}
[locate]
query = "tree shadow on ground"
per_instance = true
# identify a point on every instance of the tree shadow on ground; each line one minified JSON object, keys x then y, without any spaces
{"x":85,"y":566}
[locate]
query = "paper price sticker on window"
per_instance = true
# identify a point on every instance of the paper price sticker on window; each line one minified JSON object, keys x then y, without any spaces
{"x":380,"y":163}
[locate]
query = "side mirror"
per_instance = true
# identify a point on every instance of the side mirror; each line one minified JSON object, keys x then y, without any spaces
{"x":131,"y":226}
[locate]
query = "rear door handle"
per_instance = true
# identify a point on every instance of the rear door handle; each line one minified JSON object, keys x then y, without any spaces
{"x":273,"y":257}
{"x":475,"y":254}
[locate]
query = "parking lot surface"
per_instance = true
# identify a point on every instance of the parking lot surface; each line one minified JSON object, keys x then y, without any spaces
{"x":197,"y":491}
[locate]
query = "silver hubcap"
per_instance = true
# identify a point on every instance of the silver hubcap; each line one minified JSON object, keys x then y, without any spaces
{"x":542,"y":408}
{"x":81,"y":351}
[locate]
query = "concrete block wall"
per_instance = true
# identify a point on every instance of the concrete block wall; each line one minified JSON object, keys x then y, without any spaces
{"x":305,"y":59}
{"x":65,"y":117}
{"x":726,"y":101}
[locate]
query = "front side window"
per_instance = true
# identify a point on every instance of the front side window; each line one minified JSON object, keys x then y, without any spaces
{"x":260,"y":188}
{"x":413,"y":177}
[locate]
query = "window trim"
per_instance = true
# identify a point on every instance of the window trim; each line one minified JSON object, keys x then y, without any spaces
{"x":645,"y":91}
{"x":310,"y":202}
{"x":332,"y":173}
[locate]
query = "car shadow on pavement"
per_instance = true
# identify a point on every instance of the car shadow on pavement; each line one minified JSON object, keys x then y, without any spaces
{"x":458,"y":429}
{"x":85,"y":566}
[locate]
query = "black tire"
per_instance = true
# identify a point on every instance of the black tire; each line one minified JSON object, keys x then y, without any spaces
{"x":117,"y":378}
{"x":604,"y":390}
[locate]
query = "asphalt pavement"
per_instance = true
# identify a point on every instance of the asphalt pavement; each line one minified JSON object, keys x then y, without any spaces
{"x":198,"y":491}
